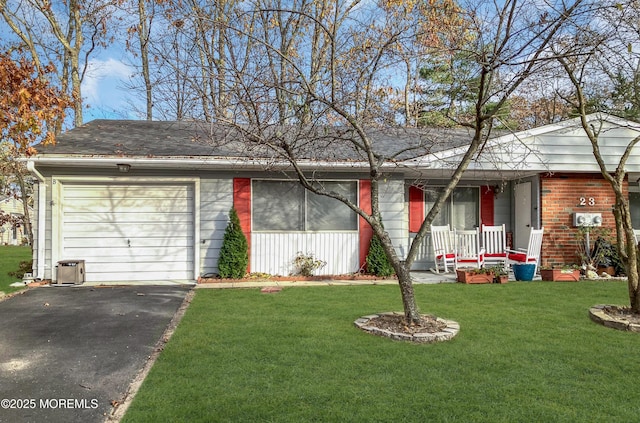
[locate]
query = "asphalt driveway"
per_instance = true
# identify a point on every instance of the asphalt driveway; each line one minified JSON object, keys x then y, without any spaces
{"x":67,"y":352}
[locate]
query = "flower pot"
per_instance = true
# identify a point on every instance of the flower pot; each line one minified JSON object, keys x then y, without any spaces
{"x":610,"y":270}
{"x":523,"y":272}
{"x":559,"y":275}
{"x":470,"y":276}
{"x":501,"y":279}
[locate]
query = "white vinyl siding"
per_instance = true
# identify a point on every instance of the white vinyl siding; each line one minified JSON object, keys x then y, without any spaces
{"x":273,"y":252}
{"x":392,"y":209}
{"x":129,"y":232}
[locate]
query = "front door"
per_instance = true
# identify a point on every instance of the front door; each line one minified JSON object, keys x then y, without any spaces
{"x":522,"y":194}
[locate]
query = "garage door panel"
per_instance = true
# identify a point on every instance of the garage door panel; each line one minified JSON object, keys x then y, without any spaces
{"x":123,"y":253}
{"x":119,"y":242}
{"x":138,"y":205}
{"x":128,"y":230}
{"x":137,"y":232}
{"x":132,"y":217}
{"x":146,"y":276}
{"x":139,"y":266}
{"x":129,"y":191}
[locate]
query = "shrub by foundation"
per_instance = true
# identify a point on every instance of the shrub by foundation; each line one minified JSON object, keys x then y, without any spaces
{"x":234,"y":253}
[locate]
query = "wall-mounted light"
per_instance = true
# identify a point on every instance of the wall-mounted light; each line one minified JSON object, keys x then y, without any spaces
{"x":498,"y":189}
{"x":123,"y":167}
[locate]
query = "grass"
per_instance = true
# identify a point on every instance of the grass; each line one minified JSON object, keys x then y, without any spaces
{"x":526,"y":352}
{"x":10,"y":258}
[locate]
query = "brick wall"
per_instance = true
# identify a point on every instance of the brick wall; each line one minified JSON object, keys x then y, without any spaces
{"x":561,"y":196}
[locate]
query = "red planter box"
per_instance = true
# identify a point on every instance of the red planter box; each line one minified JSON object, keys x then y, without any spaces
{"x":501,"y":279}
{"x":468,"y":276}
{"x":568,"y":275}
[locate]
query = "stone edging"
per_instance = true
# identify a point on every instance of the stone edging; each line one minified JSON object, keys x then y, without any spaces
{"x":446,"y":334}
{"x":598,"y":315}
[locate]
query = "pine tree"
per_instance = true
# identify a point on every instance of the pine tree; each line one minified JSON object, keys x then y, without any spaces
{"x":377,"y":261}
{"x":234,"y":253}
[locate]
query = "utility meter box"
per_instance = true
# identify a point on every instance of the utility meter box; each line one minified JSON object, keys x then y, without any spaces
{"x":587,"y":219}
{"x":70,"y":272}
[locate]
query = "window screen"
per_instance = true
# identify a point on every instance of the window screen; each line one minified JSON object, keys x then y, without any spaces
{"x":460,"y":210}
{"x":326,"y":213}
{"x":287,"y":206}
{"x":278,"y":206}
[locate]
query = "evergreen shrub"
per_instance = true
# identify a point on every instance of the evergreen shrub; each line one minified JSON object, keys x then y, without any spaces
{"x":234,"y":253}
{"x":377,"y":261}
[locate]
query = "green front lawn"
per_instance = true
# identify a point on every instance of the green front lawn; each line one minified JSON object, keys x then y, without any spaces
{"x":10,"y":258}
{"x":526,"y":352}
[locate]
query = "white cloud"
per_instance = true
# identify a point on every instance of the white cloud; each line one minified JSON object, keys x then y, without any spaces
{"x":103,"y":86}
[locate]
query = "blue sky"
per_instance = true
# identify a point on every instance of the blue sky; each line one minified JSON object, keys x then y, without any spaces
{"x":104,"y":92}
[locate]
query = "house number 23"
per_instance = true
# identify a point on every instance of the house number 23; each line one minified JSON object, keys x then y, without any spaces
{"x":587,"y":201}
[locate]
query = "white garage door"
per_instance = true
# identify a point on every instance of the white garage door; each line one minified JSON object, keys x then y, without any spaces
{"x":129,"y":232}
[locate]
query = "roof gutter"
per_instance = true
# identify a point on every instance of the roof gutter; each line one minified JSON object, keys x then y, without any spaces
{"x":221,"y":163}
{"x":42,"y":210}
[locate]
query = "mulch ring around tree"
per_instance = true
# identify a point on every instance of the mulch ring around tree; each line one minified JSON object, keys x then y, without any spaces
{"x":616,"y":317}
{"x":393,"y":325}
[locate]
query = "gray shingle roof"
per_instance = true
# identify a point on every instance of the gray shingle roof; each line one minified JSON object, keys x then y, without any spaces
{"x":161,"y":139}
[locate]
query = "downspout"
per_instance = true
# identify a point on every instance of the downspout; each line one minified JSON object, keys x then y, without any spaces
{"x":42,"y":213}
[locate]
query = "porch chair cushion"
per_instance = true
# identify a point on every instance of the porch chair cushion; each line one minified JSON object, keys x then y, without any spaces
{"x":521,"y":257}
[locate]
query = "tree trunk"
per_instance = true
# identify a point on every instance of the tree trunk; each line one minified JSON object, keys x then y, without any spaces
{"x":633,"y":272}
{"x":632,"y":266}
{"x":25,"y":207}
{"x":403,"y":272}
{"x":411,"y":312}
{"x":143,"y":38}
{"x":626,"y":245}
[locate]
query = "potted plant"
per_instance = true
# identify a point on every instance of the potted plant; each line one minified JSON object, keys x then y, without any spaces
{"x":500,"y":274}
{"x":475,"y":275}
{"x":608,"y":260}
{"x":567,"y":273}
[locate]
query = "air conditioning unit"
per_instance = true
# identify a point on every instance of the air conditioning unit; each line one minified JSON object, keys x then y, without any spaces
{"x":587,"y":219}
{"x":70,"y":272}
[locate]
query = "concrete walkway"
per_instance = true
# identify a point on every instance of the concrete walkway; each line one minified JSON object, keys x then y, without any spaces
{"x":418,"y":278}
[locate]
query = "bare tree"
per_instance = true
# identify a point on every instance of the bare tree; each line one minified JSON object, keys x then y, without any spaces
{"x":318,"y":65}
{"x":610,"y":41}
{"x":144,"y":11}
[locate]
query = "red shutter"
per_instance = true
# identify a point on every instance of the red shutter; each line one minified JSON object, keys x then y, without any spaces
{"x":242,"y":204}
{"x":365,"y":230}
{"x":487,"y":198}
{"x":416,"y":208}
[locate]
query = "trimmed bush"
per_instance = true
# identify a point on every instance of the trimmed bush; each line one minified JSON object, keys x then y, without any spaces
{"x":377,"y":261}
{"x":24,"y":267}
{"x":234,"y":253}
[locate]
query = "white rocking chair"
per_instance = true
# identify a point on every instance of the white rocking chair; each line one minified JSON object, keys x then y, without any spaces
{"x":468,"y":252}
{"x":532,"y":254}
{"x":494,"y":242}
{"x":443,"y":247}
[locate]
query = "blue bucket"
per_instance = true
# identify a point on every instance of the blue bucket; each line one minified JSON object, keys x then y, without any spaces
{"x":523,"y":272}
